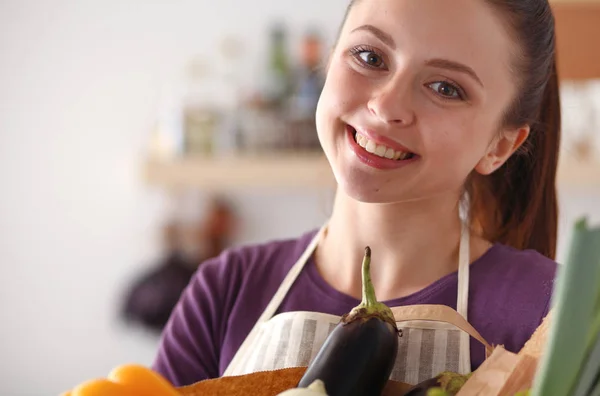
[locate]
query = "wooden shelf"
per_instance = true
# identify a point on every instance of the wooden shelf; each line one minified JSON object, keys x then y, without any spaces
{"x":234,"y":172}
{"x":298,"y":171}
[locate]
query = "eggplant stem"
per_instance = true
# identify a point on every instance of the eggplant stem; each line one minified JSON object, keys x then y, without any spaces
{"x":369,"y":306}
{"x":369,"y":298}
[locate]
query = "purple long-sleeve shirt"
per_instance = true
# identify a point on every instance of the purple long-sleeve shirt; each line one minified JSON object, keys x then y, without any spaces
{"x":509,"y":295}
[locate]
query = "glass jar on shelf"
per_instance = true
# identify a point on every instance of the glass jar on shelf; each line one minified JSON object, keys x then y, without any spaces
{"x":200,"y":112}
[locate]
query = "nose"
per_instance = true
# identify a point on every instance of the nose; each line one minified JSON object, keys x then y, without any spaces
{"x":392,"y":103}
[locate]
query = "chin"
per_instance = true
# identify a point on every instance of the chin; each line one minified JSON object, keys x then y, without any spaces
{"x":365,"y":188}
{"x":357,"y":182}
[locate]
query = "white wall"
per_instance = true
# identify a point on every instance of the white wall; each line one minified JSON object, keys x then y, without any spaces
{"x":80,"y":83}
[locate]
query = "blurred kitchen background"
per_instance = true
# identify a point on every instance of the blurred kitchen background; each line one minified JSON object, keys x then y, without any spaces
{"x":139,"y":137}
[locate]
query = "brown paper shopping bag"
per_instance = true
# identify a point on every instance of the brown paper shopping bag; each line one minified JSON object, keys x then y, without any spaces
{"x":506,"y":373}
{"x":265,"y":383}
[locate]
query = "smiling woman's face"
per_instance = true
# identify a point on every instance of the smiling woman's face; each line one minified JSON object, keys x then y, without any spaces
{"x":414,"y":98}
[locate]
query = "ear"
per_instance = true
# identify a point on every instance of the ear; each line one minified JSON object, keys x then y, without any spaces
{"x":501,"y":149}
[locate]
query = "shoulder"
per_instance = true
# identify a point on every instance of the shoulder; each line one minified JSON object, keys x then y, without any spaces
{"x":276,"y":255}
{"x":512,"y":269}
{"x":230,"y":287}
{"x":243,"y":268}
{"x":511,"y":292}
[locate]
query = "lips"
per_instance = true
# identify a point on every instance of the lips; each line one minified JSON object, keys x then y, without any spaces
{"x":377,"y":145}
{"x":377,"y":151}
{"x":381,"y":150}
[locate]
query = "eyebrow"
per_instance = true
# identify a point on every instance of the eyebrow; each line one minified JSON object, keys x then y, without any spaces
{"x":380,"y":34}
{"x":451,"y":65}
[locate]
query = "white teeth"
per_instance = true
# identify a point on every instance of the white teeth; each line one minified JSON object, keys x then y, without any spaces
{"x":379,"y":150}
{"x":361,"y":141}
{"x":371,"y":146}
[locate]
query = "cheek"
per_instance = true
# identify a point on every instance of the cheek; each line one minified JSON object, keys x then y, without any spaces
{"x":456,"y":140}
{"x":343,"y":93}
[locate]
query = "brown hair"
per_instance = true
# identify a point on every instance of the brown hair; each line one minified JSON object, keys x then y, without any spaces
{"x":517,"y":204}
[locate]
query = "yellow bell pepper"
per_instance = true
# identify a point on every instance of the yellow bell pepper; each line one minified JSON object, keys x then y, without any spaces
{"x":126,"y":380}
{"x":102,"y":387}
{"x":142,"y":380}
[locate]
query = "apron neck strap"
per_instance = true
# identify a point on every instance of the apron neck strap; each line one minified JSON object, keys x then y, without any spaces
{"x":291,"y":276}
{"x":464,"y":262}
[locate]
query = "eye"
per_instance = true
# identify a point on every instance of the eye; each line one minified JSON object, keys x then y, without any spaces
{"x":371,"y":58}
{"x":447,"y":90}
{"x":368,"y":57}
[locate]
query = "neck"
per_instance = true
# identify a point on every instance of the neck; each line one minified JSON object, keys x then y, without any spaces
{"x":413,"y":244}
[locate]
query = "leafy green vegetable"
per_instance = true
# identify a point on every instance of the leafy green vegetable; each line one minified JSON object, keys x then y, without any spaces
{"x":574,"y":324}
{"x":590,"y":372}
{"x":524,"y":393}
{"x":596,"y":390}
{"x":437,"y":392}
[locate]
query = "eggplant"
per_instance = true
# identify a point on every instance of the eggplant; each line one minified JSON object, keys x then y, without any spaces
{"x":358,"y":356}
{"x":446,"y":383}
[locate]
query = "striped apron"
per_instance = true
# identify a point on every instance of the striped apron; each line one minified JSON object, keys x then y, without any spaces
{"x":434,"y":338}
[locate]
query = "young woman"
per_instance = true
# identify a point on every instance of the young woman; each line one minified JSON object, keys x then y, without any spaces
{"x":429,"y":107}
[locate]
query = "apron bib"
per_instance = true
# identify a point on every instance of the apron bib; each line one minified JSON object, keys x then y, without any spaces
{"x":434,"y":338}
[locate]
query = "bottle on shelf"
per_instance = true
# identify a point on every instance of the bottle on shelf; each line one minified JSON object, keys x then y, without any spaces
{"x":228,"y":135}
{"x":265,"y":114}
{"x":167,"y":136}
{"x":309,"y":82}
{"x":200,"y":112}
{"x":279,"y":77}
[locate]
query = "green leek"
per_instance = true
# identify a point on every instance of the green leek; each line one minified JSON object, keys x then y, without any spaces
{"x":575,"y":312}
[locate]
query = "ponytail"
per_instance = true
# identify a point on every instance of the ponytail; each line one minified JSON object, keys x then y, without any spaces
{"x":517,"y":205}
